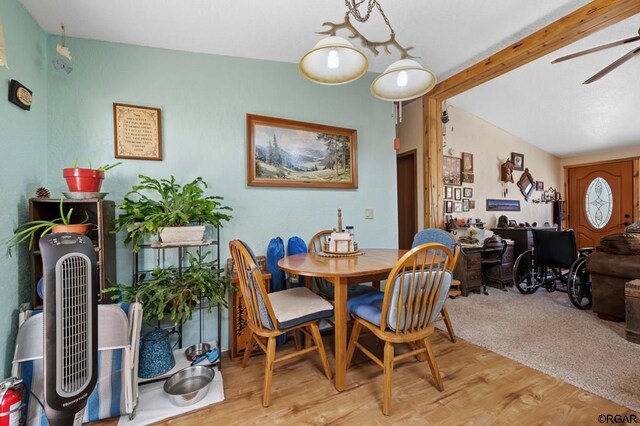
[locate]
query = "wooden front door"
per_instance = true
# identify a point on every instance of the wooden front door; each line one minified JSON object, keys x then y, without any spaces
{"x":601,"y":200}
{"x":406,"y":167}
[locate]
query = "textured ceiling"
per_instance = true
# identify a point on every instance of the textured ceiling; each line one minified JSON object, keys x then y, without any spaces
{"x":548,"y":106}
{"x":543,"y":104}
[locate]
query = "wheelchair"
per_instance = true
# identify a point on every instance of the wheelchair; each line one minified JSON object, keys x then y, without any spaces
{"x":554,"y":259}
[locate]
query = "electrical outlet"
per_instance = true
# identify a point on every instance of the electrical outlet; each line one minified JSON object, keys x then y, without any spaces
{"x":368,"y":213}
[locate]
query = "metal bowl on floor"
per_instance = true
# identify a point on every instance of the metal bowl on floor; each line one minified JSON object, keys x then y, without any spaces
{"x":189,"y":385}
{"x":197,"y":350}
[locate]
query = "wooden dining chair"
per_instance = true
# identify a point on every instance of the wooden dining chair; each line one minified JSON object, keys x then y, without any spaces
{"x":435,"y":235}
{"x":270,"y":315}
{"x":415,"y":293}
{"x":321,"y":285}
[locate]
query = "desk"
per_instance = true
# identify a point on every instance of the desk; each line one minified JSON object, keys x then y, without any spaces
{"x":469,"y":268}
{"x":373,"y":265}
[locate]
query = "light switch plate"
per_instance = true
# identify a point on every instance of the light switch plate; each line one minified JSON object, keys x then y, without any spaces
{"x":368,"y":213}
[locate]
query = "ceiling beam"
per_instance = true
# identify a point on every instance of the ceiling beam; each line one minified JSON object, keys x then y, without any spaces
{"x":588,"y":19}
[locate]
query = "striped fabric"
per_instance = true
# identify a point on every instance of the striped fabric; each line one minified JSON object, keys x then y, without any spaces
{"x":108,"y":399}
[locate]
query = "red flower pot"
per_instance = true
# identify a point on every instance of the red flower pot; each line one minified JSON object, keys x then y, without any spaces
{"x":83,"y":180}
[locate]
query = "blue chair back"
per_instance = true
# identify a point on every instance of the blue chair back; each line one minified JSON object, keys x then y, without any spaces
{"x":434,"y":235}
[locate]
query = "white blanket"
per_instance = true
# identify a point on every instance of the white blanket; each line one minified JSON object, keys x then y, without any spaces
{"x":154,"y":405}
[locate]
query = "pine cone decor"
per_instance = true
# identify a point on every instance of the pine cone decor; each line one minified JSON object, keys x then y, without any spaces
{"x":42,"y":192}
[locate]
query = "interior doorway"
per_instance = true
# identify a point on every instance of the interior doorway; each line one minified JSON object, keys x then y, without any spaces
{"x":600,"y":199}
{"x":407,"y":176}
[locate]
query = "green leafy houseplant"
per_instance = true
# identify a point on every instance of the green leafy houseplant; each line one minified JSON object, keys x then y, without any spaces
{"x":29,"y":230}
{"x":168,"y":291}
{"x":157,"y":203}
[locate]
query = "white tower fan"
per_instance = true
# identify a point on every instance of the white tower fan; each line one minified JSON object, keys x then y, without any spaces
{"x":70,"y":326}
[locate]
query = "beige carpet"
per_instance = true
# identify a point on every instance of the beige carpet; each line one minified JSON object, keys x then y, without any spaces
{"x":545,"y":332}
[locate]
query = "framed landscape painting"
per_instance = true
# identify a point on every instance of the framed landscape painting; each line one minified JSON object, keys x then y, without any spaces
{"x":296,"y":154}
{"x":452,"y":174}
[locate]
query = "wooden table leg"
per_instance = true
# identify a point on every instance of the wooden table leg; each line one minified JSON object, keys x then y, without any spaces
{"x":376,"y":284}
{"x":340,"y":313}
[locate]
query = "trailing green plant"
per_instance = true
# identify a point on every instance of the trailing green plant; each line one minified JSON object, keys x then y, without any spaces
{"x":29,"y":230}
{"x":157,"y":203}
{"x":167,"y":291}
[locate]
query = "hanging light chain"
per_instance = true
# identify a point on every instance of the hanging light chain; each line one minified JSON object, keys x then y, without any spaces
{"x":353,"y":5}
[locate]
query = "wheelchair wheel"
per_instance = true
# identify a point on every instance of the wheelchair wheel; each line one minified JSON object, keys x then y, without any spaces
{"x":524,"y":276}
{"x":579,"y":284}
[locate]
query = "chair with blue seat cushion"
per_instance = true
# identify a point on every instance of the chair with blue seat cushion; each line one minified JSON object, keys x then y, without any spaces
{"x":435,"y":235}
{"x":413,"y":298}
{"x":274,"y":314}
{"x":324,"y":287}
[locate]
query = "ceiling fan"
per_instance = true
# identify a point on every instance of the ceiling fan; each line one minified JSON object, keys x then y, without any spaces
{"x":615,"y":64}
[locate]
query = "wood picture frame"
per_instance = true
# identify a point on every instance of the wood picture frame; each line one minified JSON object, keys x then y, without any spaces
{"x":137,"y":132}
{"x":448,"y":192}
{"x":465,"y":205}
{"x":467,"y":162}
{"x":467,"y":192}
{"x":448,"y":206}
{"x":288,"y":153}
{"x":457,"y":207}
{"x":539,"y":185}
{"x":467,"y":177}
{"x":457,"y":194}
{"x":517,"y":160}
{"x":452,"y":173}
{"x":472,"y":204}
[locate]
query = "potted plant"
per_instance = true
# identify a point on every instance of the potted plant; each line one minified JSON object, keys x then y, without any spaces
{"x":157,"y":205}
{"x":86,"y":179}
{"x":63,"y":223}
{"x":170,"y":291}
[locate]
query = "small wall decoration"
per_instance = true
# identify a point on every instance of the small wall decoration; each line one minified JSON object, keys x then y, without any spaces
{"x":457,"y":194}
{"x":539,"y":185}
{"x":467,"y":162}
{"x":465,"y":205}
{"x":137,"y":132}
{"x":20,"y":95}
{"x":448,"y":192}
{"x":457,"y":207}
{"x":467,"y":177}
{"x":526,"y":184}
{"x":451,"y":171}
{"x":472,"y":204}
{"x":467,"y":192}
{"x":518,"y":161}
{"x":448,"y":206}
{"x":506,"y":171}
{"x":297,"y":154}
{"x":498,"y":205}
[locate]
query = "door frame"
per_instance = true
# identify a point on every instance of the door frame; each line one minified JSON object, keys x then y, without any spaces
{"x":584,"y":21}
{"x":414,"y":154}
{"x":635,"y":182}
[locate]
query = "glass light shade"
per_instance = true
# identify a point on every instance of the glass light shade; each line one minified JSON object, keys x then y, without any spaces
{"x":403,"y":80}
{"x":333,"y":61}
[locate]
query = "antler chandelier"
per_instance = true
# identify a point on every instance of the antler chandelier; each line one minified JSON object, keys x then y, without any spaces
{"x":334,"y":60}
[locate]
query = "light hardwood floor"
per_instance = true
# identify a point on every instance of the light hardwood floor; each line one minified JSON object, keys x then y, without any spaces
{"x":481,"y":388}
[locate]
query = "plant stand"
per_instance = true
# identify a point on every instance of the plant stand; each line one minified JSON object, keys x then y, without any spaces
{"x":174,"y":254}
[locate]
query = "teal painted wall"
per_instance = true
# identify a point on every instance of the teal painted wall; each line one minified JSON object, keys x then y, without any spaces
{"x":23,"y":162}
{"x":204,"y":100}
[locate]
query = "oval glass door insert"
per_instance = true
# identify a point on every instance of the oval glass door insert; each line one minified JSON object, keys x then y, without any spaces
{"x":598,"y":203}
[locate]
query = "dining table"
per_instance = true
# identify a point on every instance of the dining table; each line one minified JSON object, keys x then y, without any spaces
{"x":371,"y":265}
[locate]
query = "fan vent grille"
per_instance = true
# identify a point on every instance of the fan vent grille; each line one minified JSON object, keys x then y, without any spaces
{"x":73,"y":325}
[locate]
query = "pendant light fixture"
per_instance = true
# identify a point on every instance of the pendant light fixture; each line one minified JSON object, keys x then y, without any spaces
{"x":403,"y":80}
{"x":335,"y":61}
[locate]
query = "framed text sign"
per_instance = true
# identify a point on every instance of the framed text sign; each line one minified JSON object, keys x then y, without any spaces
{"x":137,"y":132}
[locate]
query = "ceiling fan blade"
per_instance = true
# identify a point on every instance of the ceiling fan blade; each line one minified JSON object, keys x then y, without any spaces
{"x":606,"y":70}
{"x":596,"y":49}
